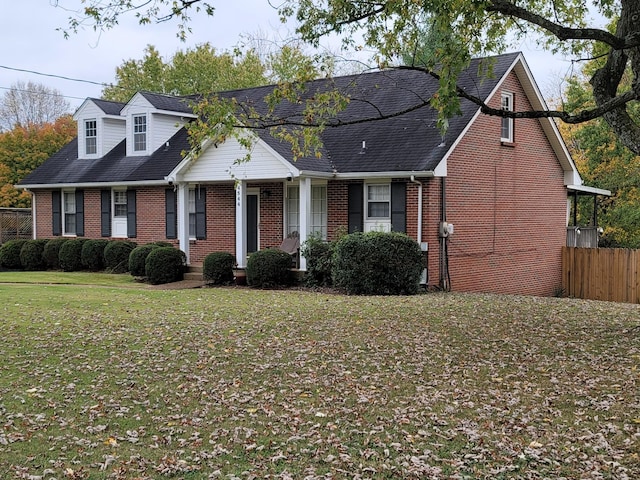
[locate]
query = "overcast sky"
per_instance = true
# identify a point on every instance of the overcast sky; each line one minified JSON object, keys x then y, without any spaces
{"x":29,"y":41}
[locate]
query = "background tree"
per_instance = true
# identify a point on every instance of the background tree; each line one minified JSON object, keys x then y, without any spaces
{"x":24,"y":148}
{"x":27,"y":103}
{"x":476,"y":28}
{"x":198,"y":70}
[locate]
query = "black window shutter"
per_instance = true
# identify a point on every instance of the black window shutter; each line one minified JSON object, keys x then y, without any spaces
{"x":399,"y":207}
{"x":56,"y":210}
{"x":80,"y":213}
{"x":105,"y":213}
{"x":201,"y":213}
{"x":355,"y":208}
{"x":131,"y":214}
{"x":171,"y":209}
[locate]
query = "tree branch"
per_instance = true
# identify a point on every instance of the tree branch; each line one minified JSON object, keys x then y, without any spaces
{"x":563,"y":33}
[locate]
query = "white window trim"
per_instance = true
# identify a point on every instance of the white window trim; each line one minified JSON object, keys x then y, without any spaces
{"x":376,"y":223}
{"x":192,"y":211}
{"x":324,"y":210}
{"x":64,"y":213}
{"x":509,"y":121}
{"x":86,"y":137}
{"x":134,"y":133}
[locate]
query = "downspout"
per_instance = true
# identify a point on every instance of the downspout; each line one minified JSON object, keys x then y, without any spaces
{"x":33,"y":214}
{"x":419,"y":234}
{"x":445,"y":282}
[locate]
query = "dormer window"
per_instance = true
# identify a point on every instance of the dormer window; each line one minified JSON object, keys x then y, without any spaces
{"x":506,"y":133}
{"x":139,"y":133}
{"x":91,"y":137}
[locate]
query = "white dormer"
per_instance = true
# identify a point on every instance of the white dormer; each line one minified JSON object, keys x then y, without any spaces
{"x":150,"y":122}
{"x":100,"y":127}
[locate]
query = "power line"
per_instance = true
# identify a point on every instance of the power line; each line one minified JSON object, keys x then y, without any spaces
{"x":62,"y":77}
{"x":42,"y":93}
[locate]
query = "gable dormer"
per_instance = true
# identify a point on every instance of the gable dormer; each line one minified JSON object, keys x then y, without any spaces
{"x":100,"y":127}
{"x":152,"y":119}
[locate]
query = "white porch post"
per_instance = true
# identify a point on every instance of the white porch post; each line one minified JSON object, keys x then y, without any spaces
{"x":183,"y":218}
{"x":305,"y":215}
{"x":241,"y":223}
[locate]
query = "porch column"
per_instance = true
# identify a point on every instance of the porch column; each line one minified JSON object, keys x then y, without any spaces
{"x":241,"y":223}
{"x":183,"y":218}
{"x":305,"y":215}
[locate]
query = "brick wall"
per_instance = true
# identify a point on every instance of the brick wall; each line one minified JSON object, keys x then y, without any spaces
{"x":508,"y":207}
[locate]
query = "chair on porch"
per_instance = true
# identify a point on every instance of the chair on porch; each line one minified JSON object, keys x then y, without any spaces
{"x":291,"y":245}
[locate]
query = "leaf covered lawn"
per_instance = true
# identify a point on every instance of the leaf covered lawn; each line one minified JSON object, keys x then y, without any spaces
{"x":125,"y":383}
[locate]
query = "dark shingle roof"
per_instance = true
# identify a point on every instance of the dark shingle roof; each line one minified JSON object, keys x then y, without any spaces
{"x":410,"y":142}
{"x":108,"y":107}
{"x":168,"y":102}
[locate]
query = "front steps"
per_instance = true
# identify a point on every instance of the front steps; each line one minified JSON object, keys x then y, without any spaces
{"x":194,"y":272}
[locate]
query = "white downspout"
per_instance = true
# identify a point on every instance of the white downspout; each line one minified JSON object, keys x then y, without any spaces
{"x":419,"y":234}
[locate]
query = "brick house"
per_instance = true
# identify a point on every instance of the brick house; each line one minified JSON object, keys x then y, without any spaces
{"x":488,"y":200}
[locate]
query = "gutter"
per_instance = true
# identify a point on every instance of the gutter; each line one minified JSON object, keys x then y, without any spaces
{"x":141,"y":183}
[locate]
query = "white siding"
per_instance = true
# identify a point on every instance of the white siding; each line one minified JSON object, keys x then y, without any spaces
{"x":162,"y":128}
{"x":113,"y":132}
{"x":217,"y":163}
{"x":88,"y":111}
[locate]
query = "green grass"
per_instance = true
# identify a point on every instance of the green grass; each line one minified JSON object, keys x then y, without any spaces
{"x":107,"y":382}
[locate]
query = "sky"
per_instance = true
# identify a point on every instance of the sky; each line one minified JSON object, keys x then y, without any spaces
{"x":30,"y":41}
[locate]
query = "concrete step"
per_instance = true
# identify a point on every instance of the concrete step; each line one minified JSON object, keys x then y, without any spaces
{"x":194,"y":272}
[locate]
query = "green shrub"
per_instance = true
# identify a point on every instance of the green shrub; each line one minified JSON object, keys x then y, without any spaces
{"x":138,"y":258}
{"x":31,"y":255}
{"x":269,"y":268}
{"x":51,"y":253}
{"x":217,"y":268}
{"x":377,"y":263}
{"x":161,"y":244}
{"x":10,"y":254}
{"x":116,"y":255}
{"x":165,"y":265}
{"x":318,"y":254}
{"x":92,"y":256}
{"x":70,"y":254}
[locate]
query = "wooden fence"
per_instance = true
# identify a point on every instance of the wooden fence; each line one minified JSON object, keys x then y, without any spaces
{"x":611,"y":274}
{"x":15,"y":223}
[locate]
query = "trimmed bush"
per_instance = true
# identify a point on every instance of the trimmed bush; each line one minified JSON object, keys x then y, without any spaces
{"x":31,"y":255}
{"x":10,"y":254}
{"x":138,"y":258}
{"x":92,"y":256}
{"x":116,"y":255}
{"x":70,"y":254}
{"x":217,"y":268}
{"x":51,"y":253}
{"x":377,"y":263}
{"x":318,"y":254}
{"x":165,"y":265}
{"x":161,"y":244}
{"x":269,"y":268}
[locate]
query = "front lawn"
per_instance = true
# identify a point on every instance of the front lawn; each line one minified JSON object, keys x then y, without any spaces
{"x":135,"y":383}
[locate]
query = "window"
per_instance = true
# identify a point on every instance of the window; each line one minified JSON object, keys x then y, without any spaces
{"x":120,"y":203}
{"x":506,"y":134}
{"x":192,"y":213}
{"x":378,"y":201}
{"x":69,"y":212}
{"x":293,"y":210}
{"x":90,"y":137}
{"x":318,"y":221}
{"x":139,"y":133}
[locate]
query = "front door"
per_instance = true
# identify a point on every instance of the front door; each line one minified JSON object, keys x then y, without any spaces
{"x":252,"y":223}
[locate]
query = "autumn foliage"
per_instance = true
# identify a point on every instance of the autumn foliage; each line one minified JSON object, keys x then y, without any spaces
{"x":25,"y":148}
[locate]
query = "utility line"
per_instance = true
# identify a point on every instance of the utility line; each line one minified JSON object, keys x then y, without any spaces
{"x":102,"y":84}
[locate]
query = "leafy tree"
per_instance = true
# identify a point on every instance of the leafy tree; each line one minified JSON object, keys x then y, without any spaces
{"x":605,"y":163}
{"x":198,"y":70}
{"x":31,"y":104}
{"x":25,"y":148}
{"x":474,"y":28}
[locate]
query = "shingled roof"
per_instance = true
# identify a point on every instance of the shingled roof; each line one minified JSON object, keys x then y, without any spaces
{"x":406,"y":142}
